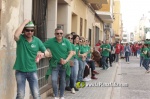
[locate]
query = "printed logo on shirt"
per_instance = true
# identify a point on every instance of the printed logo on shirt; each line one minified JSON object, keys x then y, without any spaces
{"x":63,"y":44}
{"x":33,"y":46}
{"x":77,"y":47}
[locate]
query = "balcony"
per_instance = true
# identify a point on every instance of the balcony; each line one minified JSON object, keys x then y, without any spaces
{"x":64,"y":1}
{"x":98,"y":1}
{"x":106,"y":12}
{"x":107,"y":17}
{"x":96,"y":6}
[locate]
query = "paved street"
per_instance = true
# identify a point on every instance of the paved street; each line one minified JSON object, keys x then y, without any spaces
{"x":137,"y":79}
{"x":133,"y":79}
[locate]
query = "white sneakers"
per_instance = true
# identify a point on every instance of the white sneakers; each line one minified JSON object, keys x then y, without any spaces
{"x":62,"y":98}
{"x":58,"y":98}
{"x":86,"y":79}
{"x":73,"y":91}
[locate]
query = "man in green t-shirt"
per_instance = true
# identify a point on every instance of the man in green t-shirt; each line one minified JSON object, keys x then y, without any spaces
{"x":62,"y":52}
{"x":25,"y":64}
{"x":146,"y":60}
{"x":105,"y":48}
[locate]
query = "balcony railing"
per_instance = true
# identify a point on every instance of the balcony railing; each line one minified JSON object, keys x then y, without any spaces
{"x":97,"y":1}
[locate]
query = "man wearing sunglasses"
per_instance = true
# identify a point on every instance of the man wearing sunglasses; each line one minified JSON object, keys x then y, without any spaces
{"x":25,"y":64}
{"x":59,"y":66}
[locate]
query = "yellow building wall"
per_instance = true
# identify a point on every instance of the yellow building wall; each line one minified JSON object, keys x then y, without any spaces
{"x":116,"y":24}
{"x":105,"y":7}
{"x":79,"y":8}
{"x":117,"y":6}
{"x":118,"y":17}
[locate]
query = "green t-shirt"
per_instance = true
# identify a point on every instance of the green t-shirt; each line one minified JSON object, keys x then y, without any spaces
{"x":77,"y":50}
{"x":83,"y":49}
{"x":89,"y":48}
{"x":104,"y":51}
{"x":74,"y":49}
{"x":145,"y":55}
{"x":58,"y":49}
{"x":141,"y":52}
{"x":26,"y":54}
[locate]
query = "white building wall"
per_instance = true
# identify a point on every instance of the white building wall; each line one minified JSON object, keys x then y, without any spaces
{"x":64,"y":17}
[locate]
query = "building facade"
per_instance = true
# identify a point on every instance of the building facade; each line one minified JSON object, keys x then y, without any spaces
{"x":71,"y":15}
{"x":117,"y":24}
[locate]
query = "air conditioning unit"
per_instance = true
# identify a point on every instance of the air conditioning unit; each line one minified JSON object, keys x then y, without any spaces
{"x":107,"y":26}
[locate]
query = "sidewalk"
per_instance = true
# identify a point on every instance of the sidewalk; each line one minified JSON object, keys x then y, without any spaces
{"x":105,"y":76}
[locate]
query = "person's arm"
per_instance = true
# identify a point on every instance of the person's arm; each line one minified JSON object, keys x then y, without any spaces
{"x":109,"y":49}
{"x":80,"y":55}
{"x":64,"y":61}
{"x":19,"y":30}
{"x":45,"y":54}
{"x":69,"y":56}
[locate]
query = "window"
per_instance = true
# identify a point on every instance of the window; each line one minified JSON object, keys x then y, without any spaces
{"x":81,"y":26}
{"x":90,"y":36}
{"x":96,"y":34}
{"x":39,"y":18}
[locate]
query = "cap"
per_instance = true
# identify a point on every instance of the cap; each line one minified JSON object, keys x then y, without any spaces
{"x":30,"y":25}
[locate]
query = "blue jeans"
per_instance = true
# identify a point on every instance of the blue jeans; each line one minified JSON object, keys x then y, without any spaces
{"x":117,"y":57}
{"x":127,"y":56}
{"x":59,"y":70}
{"x":138,"y":51}
{"x":141,"y":60}
{"x":104,"y":64}
{"x":21,"y":82}
{"x":74,"y":73}
{"x":81,"y":70}
{"x":146,"y":64}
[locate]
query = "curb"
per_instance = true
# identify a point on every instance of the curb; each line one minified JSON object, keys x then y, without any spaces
{"x":109,"y":93}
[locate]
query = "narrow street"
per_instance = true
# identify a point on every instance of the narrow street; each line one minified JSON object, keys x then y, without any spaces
{"x":131,"y":83}
{"x":137,"y":80}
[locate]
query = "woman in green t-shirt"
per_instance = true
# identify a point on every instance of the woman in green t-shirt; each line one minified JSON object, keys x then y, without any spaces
{"x":83,"y":51}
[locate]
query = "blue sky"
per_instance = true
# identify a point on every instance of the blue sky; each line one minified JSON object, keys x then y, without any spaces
{"x":132,"y":11}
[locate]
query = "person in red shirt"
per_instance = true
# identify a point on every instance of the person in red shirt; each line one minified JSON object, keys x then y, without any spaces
{"x":122,"y":53}
{"x":117,"y":51}
{"x":98,"y":44}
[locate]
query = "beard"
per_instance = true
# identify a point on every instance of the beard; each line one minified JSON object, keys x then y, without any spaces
{"x":28,"y":35}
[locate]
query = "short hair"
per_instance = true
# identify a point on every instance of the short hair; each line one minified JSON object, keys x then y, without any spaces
{"x":67,"y":35}
{"x":58,"y":29}
{"x":73,"y":33}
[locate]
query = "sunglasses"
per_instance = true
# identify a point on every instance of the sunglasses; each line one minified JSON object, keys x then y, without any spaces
{"x":70,"y":38}
{"x":58,"y":33}
{"x":28,"y":30}
{"x":80,"y":41}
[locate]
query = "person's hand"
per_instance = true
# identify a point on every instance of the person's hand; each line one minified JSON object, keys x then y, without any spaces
{"x":88,"y":66}
{"x":26,"y":21}
{"x":39,"y":56}
{"x":85,"y":55}
{"x":63,"y":61}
